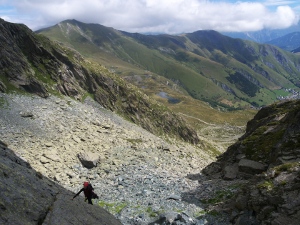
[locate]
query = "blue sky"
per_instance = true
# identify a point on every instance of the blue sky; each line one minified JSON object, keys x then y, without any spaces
{"x":166,"y":16}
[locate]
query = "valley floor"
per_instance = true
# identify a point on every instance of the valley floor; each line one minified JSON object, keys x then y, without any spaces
{"x":140,"y":176}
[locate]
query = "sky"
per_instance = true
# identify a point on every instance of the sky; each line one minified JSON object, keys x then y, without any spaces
{"x":157,"y":16}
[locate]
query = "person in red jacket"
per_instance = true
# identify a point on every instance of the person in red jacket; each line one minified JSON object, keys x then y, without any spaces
{"x":88,"y":191}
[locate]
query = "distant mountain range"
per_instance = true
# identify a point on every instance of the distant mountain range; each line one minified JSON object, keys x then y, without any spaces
{"x":289,"y":42}
{"x":287,"y":39}
{"x":206,"y":65}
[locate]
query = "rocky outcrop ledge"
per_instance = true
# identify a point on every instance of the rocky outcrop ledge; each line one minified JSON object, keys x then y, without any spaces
{"x":268,"y":157}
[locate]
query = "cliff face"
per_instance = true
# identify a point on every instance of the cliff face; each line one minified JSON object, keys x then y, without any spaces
{"x":13,"y":64}
{"x":27,"y":197}
{"x":268,"y":155}
{"x":34,"y":64}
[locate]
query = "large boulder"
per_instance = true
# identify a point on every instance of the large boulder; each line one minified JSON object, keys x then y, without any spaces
{"x":250,"y":166}
{"x":88,"y":159}
{"x":231,"y":171}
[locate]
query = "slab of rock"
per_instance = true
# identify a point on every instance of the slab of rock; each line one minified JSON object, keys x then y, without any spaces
{"x":89,"y":159}
{"x":44,"y":160}
{"x":65,"y":211}
{"x":251,"y":167}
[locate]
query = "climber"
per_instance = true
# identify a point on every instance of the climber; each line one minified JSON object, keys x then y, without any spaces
{"x":88,"y":191}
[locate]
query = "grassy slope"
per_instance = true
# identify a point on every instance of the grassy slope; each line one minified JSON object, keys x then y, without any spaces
{"x":138,"y":58}
{"x":210,"y":62}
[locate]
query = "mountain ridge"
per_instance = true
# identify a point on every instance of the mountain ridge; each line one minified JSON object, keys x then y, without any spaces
{"x":264,"y":35}
{"x":289,"y":42}
{"x":206,"y":64}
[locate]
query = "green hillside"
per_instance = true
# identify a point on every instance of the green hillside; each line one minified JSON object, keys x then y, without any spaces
{"x":206,"y":65}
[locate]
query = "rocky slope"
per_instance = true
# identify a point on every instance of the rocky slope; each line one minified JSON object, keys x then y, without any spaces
{"x":268,"y":156}
{"x":140,"y":177}
{"x":32,"y":63}
{"x":143,"y":179}
{"x":137,"y":175}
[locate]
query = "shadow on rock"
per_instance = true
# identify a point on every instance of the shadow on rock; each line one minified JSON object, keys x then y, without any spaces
{"x":203,"y":190}
{"x":27,"y":197}
{"x":210,"y":195}
{"x":196,"y":176}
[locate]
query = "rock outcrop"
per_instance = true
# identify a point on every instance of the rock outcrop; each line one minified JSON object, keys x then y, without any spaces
{"x":270,"y":198}
{"x":27,"y":197}
{"x":272,"y":138}
{"x":268,"y":155}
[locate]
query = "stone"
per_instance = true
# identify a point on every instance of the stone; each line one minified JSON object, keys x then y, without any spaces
{"x":52,"y":155}
{"x":44,"y":160}
{"x":88,"y":159}
{"x":106,"y":126}
{"x":174,"y":197}
{"x":251,"y":167}
{"x":170,"y":217}
{"x":241,"y":202}
{"x":26,"y":114}
{"x":48,"y":144}
{"x":230,"y":172}
{"x":246,"y":218}
{"x":76,"y":139}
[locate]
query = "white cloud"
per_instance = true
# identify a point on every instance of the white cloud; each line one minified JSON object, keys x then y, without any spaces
{"x":283,"y":17}
{"x":279,"y":2}
{"x":170,"y":16}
